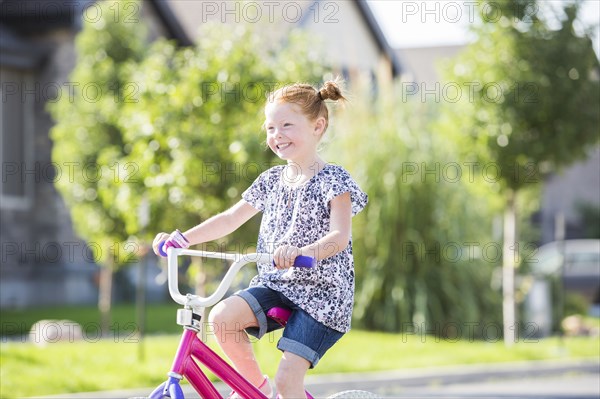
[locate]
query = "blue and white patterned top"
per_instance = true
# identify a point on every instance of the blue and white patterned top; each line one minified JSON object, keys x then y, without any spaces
{"x":300,"y":216}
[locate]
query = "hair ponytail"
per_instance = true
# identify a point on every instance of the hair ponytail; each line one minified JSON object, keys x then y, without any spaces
{"x":331,"y":91}
{"x":309,"y":99}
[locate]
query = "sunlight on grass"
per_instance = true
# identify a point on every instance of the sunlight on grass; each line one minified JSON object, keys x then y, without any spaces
{"x":106,"y":364}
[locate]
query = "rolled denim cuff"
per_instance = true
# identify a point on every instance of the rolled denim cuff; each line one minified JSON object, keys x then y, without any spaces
{"x":258,"y":312}
{"x":288,"y":345}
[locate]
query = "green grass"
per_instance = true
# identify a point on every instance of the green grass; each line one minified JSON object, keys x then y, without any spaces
{"x":88,"y":366}
{"x":160,"y":318}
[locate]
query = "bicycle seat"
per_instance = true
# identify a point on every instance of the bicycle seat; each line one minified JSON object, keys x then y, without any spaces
{"x":280,"y":315}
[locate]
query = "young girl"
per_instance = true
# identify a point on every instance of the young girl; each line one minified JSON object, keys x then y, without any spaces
{"x":307,"y":208}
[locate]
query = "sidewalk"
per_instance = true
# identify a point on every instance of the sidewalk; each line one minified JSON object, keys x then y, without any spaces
{"x":324,"y":385}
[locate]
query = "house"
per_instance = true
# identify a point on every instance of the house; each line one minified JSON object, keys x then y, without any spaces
{"x":42,"y":261}
{"x":347,"y":30}
{"x":422,"y":63}
{"x":563,"y":195}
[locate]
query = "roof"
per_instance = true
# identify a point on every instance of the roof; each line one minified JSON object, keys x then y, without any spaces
{"x":26,"y":17}
{"x":373,"y":26}
{"x":21,"y":19}
{"x":40,"y":16}
{"x":380,"y":39}
{"x":177,"y":31}
{"x":170,"y":22}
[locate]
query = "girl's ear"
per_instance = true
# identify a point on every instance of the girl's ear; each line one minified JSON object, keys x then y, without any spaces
{"x":320,"y":124}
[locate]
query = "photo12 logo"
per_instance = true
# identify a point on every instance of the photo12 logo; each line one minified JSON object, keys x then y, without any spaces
{"x":467,"y":331}
{"x":466,"y":251}
{"x":71,"y":171}
{"x":464,"y":11}
{"x":45,"y":332}
{"x":51,"y":92}
{"x":454,"y":172}
{"x":67,"y":252}
{"x":270,"y":11}
{"x":55,"y":11}
{"x":453,"y":92}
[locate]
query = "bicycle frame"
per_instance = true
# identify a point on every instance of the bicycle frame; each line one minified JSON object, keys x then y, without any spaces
{"x":184,"y":365}
{"x":192,"y":349}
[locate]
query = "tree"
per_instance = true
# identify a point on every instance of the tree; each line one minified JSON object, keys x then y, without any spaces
{"x":89,"y":138}
{"x":194,"y":130}
{"x":533,"y":105}
{"x":176,"y":129}
{"x":417,"y":265}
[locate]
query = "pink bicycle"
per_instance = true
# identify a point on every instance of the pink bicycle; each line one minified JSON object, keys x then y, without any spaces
{"x":192,"y":349}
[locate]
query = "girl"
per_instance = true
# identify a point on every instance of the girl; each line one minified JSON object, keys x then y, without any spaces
{"x":307,"y":208}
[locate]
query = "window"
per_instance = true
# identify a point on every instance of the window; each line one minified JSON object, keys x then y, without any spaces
{"x":16,"y":139}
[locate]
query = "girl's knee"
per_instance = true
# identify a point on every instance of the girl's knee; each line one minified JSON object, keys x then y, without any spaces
{"x":217,"y":314}
{"x":222,"y":316}
{"x":232,"y":314}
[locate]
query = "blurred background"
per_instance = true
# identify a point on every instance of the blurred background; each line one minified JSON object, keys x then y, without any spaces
{"x":473,"y":127}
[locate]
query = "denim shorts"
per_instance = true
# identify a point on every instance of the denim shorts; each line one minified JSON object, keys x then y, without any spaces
{"x":303,"y":335}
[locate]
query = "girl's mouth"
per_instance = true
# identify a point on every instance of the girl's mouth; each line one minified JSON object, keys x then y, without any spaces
{"x":283,"y":146}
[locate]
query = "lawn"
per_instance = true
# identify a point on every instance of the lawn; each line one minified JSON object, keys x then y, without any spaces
{"x":114,"y":363}
{"x":160,"y":318}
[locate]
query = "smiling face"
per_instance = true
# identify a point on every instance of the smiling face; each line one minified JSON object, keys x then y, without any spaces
{"x":290,"y":134}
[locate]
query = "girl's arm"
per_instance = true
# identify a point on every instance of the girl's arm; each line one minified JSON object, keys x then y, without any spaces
{"x":222,"y":224}
{"x":216,"y":227}
{"x":335,"y":241}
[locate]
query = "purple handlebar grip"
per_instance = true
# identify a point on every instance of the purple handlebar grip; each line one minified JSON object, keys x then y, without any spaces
{"x":161,"y":251}
{"x":303,"y":261}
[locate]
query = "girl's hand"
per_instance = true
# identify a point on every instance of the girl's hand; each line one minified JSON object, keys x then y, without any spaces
{"x":160,"y":237}
{"x":285,"y":256}
{"x":175,"y":240}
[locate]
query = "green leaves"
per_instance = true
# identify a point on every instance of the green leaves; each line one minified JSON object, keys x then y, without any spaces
{"x":542,"y":99}
{"x":417,"y":244}
{"x":180,"y":127}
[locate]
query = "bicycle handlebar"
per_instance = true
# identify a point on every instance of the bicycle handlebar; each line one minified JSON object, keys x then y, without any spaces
{"x":239,"y":261}
{"x":300,"y":261}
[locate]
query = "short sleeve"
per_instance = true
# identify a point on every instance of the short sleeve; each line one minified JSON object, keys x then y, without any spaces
{"x":339,"y":182}
{"x":256,"y":194}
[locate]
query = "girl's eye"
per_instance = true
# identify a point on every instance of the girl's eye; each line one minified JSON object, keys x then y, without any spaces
{"x":287,"y":124}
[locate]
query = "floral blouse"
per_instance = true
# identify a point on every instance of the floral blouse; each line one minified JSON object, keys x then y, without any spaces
{"x":300,"y":216}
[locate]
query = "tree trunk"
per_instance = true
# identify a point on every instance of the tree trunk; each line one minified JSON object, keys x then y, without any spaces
{"x":508,"y":271}
{"x":105,"y":297}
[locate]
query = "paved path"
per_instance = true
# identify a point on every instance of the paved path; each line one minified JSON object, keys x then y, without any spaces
{"x":527,"y":380}
{"x":582,"y":386}
{"x":547,"y":380}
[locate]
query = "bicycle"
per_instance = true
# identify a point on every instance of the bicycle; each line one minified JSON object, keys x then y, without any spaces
{"x":193,"y":349}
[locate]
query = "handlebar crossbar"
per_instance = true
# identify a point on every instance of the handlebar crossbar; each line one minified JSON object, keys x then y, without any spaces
{"x":194,"y":301}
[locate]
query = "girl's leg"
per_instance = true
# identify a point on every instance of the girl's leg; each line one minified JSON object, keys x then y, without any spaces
{"x":290,"y":376}
{"x":228,"y":319}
